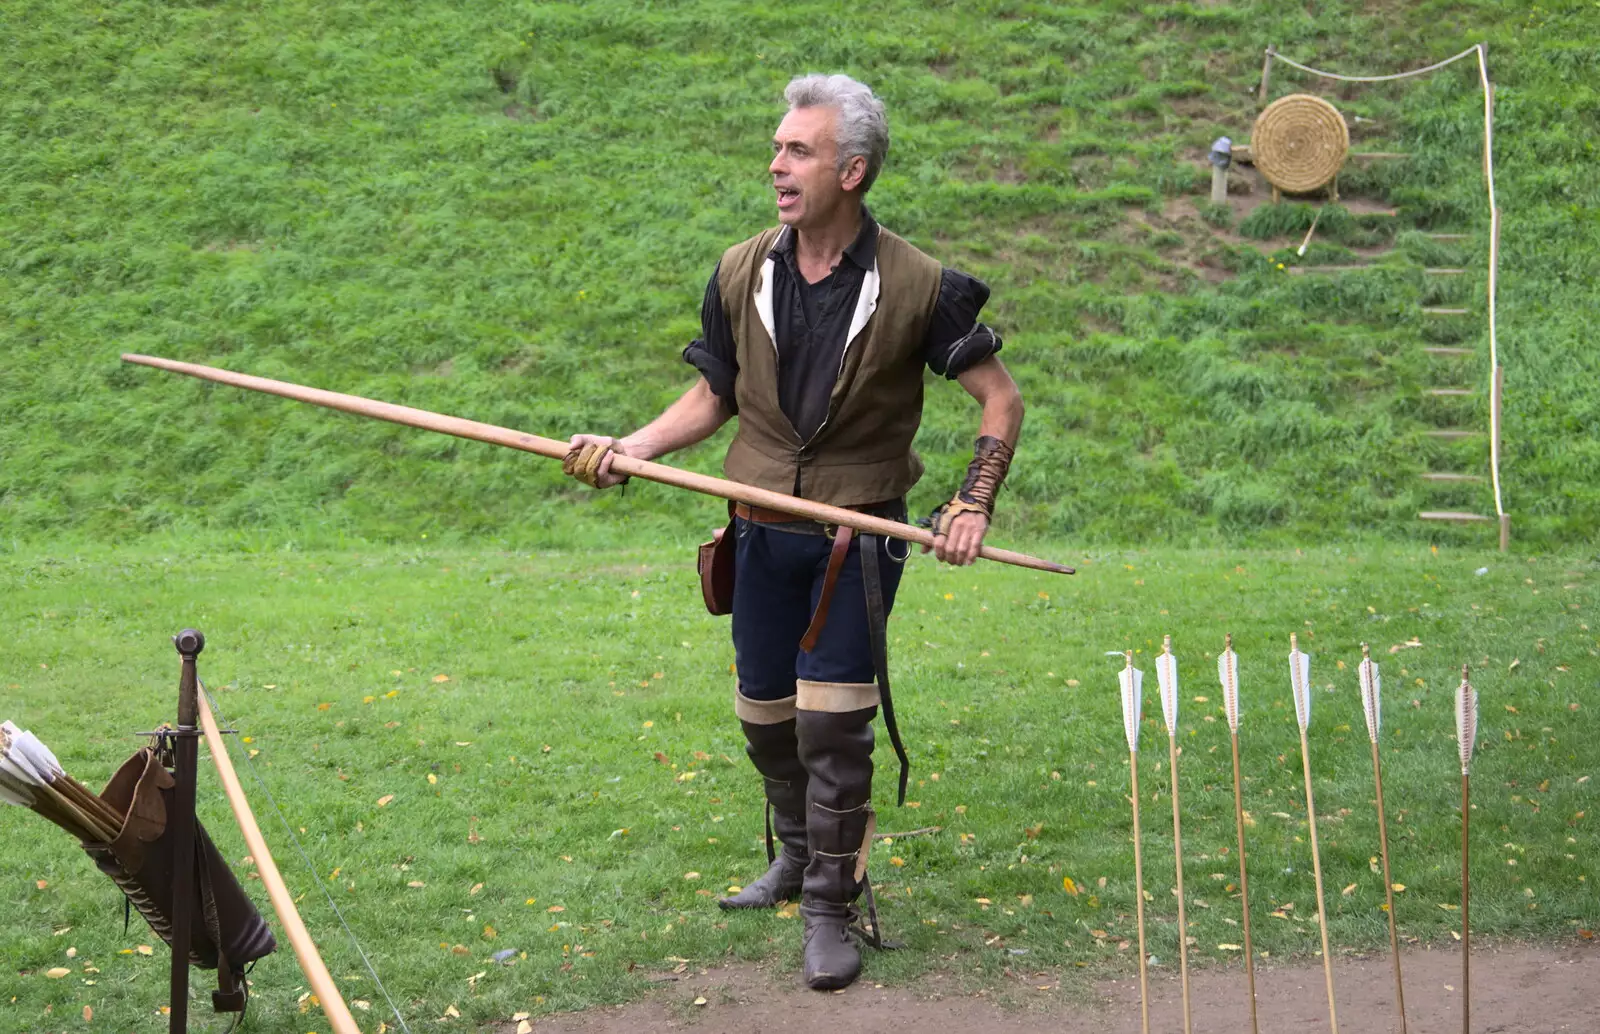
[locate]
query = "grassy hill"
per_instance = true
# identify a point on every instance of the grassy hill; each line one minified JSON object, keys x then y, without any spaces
{"x":509,"y":213}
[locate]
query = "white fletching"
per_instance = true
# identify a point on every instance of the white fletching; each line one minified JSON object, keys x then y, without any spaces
{"x":10,"y":794}
{"x":1371,"y":697}
{"x":1300,"y":682}
{"x":43,"y":761}
{"x":1167,"y":678}
{"x":1228,"y":675}
{"x":1466,"y":722}
{"x":1132,"y":681}
{"x":15,"y":764}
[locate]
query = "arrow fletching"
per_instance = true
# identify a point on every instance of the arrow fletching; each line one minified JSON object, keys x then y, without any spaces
{"x":1466,"y":720}
{"x":1300,"y":682}
{"x":1228,"y":675}
{"x":1167,"y":677}
{"x":1132,"y":681}
{"x":1371,"y":699}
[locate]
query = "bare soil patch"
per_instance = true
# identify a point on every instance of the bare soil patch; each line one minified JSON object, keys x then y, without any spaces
{"x":1517,"y":989}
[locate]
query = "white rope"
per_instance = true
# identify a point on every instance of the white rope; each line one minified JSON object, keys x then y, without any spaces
{"x":1373,"y":78}
{"x":1494,"y":276}
{"x":1494,"y":224}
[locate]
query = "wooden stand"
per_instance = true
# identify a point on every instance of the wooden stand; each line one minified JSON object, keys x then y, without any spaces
{"x":180,"y":825}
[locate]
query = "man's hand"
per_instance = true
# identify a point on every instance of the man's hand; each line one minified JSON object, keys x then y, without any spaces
{"x":961,"y":545}
{"x":590,"y":460}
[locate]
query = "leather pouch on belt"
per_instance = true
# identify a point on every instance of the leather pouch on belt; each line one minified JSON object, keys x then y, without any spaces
{"x":716,"y":562}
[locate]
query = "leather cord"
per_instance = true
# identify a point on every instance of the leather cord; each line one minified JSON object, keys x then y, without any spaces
{"x":819,"y":617}
{"x":877,"y":626}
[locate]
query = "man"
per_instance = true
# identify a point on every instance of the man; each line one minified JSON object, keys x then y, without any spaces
{"x":815,"y":334}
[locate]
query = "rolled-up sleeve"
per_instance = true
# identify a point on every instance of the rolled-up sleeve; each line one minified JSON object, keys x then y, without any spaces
{"x":956,"y":341}
{"x":713,"y":353}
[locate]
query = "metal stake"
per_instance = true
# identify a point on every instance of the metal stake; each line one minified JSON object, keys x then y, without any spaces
{"x":1300,"y":682}
{"x":189,"y":643}
{"x":1228,"y":673}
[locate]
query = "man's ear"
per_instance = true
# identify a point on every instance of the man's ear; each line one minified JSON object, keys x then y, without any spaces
{"x":855,"y":170}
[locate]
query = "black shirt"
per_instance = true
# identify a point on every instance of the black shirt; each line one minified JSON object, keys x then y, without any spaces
{"x":812,"y":322}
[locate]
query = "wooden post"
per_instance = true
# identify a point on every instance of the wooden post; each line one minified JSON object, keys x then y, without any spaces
{"x":1219,"y":185}
{"x":1266,"y":74}
{"x":1495,"y":404}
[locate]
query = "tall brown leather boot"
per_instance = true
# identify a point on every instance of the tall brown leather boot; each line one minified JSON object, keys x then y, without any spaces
{"x":769,"y":731}
{"x":833,"y":724}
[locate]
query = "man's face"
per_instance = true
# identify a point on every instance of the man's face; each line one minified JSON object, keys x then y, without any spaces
{"x":805,"y":167}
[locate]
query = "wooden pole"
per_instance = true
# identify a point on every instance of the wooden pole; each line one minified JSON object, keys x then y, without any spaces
{"x":549,"y":447}
{"x":1496,"y":400}
{"x":1228,"y":671}
{"x":1219,"y":185}
{"x":305,"y":949}
{"x":1266,"y":74}
{"x":1299,"y":670}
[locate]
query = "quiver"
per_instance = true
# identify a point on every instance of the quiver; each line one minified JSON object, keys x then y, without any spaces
{"x":226,"y":931}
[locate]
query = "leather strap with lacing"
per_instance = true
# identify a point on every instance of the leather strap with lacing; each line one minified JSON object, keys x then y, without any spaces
{"x":991,"y":460}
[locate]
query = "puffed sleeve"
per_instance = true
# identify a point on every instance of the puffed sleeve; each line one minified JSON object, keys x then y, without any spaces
{"x":956,"y":341}
{"x":713,"y":353}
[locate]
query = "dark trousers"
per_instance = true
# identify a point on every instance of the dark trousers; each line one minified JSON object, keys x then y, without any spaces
{"x":778,"y":581}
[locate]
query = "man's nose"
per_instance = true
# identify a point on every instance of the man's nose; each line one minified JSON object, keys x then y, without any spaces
{"x":778,"y":164}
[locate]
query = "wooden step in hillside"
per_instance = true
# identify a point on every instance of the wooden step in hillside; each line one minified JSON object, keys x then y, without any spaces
{"x":1449,"y":477}
{"x":1435,"y":310}
{"x":1446,"y":351}
{"x":1453,"y":434}
{"x":1447,"y":392}
{"x":1451,"y":515}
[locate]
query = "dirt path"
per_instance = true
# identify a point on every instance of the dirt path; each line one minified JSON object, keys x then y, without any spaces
{"x":1516,"y":990}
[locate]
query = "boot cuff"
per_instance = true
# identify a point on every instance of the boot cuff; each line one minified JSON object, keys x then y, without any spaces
{"x":763,"y":712}
{"x":835,"y":697}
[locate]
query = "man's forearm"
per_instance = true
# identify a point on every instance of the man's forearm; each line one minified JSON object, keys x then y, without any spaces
{"x":694,"y":417}
{"x":1002,"y":417}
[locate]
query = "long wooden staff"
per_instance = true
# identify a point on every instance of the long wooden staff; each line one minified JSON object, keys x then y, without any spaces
{"x":305,"y":949}
{"x":1131,"y":680}
{"x":1372,"y":704}
{"x":525,"y":442}
{"x":1300,"y":683}
{"x":1167,"y":679}
{"x":1466,"y":737}
{"x":1228,"y":674}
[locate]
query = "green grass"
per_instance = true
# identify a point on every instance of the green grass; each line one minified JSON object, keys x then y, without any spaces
{"x":511,"y":213}
{"x":582,"y":695}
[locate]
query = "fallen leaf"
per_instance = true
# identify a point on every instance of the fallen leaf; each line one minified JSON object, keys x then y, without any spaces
{"x":416,"y":883}
{"x":1398,"y":888}
{"x":1349,"y":890}
{"x":452,"y":1013}
{"x":691,"y":876}
{"x":460,"y":949}
{"x":489,"y":933}
{"x":556,"y":908}
{"x":441,"y":678}
{"x":1069,"y":886}
{"x":1228,"y":947}
{"x":524,"y":1027}
{"x":700,"y":1000}
{"x":41,"y":884}
{"x":789,"y":911}
{"x":432,"y":779}
{"x":57,"y":973}
{"x":323,"y":706}
{"x":145,"y":949}
{"x":88,"y":1013}
{"x":897,"y":861}
{"x":383,"y":802}
{"x":1449,"y":907}
{"x":475,"y":888}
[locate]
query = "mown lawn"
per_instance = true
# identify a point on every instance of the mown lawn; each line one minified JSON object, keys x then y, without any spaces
{"x":563,"y":776}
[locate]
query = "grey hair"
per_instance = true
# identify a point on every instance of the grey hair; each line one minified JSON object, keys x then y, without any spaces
{"x":863,"y":131}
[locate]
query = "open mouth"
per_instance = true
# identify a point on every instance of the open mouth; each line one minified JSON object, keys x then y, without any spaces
{"x":787,"y":196}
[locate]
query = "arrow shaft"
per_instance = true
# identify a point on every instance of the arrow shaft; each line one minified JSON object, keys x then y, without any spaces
{"x":1138,"y":894}
{"x":1388,"y":889}
{"x":1244,"y":885}
{"x":1316,"y":868}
